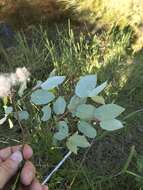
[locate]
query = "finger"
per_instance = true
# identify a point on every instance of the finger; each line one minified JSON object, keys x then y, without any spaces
{"x":6,"y":152}
{"x":45,"y":188}
{"x":36,"y":185}
{"x":9,"y":167}
{"x":16,"y":148}
{"x":28,"y":173}
{"x":27,"y":152}
{"x":1,"y":160}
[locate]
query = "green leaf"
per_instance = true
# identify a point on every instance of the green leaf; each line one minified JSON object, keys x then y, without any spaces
{"x":52,"y":82}
{"x":97,"y":90}
{"x":23,"y":115}
{"x":41,"y":97}
{"x":53,"y":73}
{"x":3,"y":120}
{"x":108,"y":111}
{"x":10,"y":123}
{"x":63,"y":131}
{"x":111,"y":125}
{"x":46,"y":113}
{"x":60,"y":105}
{"x":79,"y":141}
{"x":8,"y":110}
{"x":22,"y":88}
{"x":85,"y":85}
{"x":87,"y":129}
{"x":85,"y":112}
{"x":75,"y":102}
{"x":98,"y":99}
{"x":5,"y":100}
{"x":71,"y":146}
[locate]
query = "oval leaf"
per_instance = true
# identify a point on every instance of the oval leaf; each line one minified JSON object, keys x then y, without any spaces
{"x":10,"y":123}
{"x":52,"y":82}
{"x":85,"y":112}
{"x":98,"y":99}
{"x":46,"y":113}
{"x":23,"y":115}
{"x":111,"y":125}
{"x":85,"y":85}
{"x":8,"y":110}
{"x":79,"y":141}
{"x":75,"y":102}
{"x":108,"y":111}
{"x":3,"y":120}
{"x":22,"y":88}
{"x":41,"y":97}
{"x":63,"y":131}
{"x":60,"y":105}
{"x":87,"y":129}
{"x":71,"y":146}
{"x":97,"y":90}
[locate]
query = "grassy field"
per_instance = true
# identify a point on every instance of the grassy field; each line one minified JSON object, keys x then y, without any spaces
{"x":114,"y":161}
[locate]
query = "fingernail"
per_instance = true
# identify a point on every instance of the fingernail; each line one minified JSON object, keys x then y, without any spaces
{"x":17,"y":156}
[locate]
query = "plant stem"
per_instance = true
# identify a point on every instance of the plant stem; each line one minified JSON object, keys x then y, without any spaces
{"x":57,"y":167}
{"x":20,"y":125}
{"x":129,"y":159}
{"x":133,"y":174}
{"x":132,"y":114}
{"x":84,"y":157}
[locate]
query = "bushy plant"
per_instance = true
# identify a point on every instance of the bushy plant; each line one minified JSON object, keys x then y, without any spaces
{"x":76,"y":120}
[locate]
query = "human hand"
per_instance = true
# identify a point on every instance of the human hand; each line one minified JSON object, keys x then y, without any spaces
{"x":10,"y":159}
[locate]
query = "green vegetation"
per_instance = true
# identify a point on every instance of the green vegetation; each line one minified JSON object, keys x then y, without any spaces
{"x":112,"y":162}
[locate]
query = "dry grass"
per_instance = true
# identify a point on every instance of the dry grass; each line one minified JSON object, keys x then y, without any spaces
{"x":25,"y":12}
{"x":122,"y":13}
{"x":101,"y":13}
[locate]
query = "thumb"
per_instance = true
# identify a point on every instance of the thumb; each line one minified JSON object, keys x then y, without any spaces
{"x":9,"y":167}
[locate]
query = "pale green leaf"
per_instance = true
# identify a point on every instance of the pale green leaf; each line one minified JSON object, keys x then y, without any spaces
{"x":8,"y":110}
{"x":63,"y":131}
{"x":22,"y":115}
{"x":87,"y":129}
{"x":111,"y":125}
{"x":52,"y":82}
{"x":3,"y":120}
{"x":71,"y":146}
{"x":41,"y":97}
{"x":85,"y":112}
{"x":107,"y":112}
{"x":75,"y":102}
{"x":79,"y":141}
{"x":59,"y":106}
{"x":22,"y":88}
{"x":98,"y":99}
{"x":53,"y":73}
{"x":10,"y":123}
{"x":85,"y":85}
{"x":97,"y":90}
{"x":5,"y":100}
{"x":46,"y":113}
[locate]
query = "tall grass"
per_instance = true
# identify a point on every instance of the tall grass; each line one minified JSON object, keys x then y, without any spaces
{"x":109,"y":13}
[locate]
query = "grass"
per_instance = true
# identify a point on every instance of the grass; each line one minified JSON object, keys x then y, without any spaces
{"x":74,"y":53}
{"x":103,"y":13}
